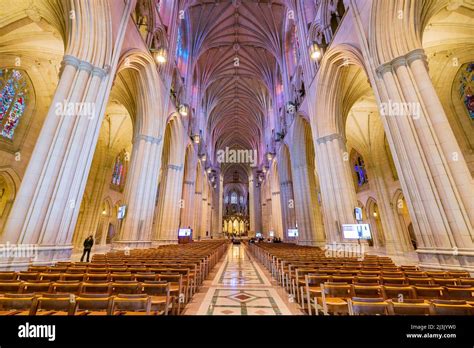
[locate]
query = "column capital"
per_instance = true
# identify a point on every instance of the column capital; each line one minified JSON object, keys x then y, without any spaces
{"x":405,"y":60}
{"x":330,"y":137}
{"x":84,"y":65}
{"x":175,"y":167}
{"x":148,"y":138}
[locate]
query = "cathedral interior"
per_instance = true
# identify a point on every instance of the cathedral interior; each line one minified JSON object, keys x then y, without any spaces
{"x":259,"y":151}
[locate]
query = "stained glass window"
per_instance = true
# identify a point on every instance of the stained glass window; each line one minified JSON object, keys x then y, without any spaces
{"x":13,"y":94}
{"x":120,"y":171}
{"x":233,"y":198}
{"x":467,"y":87}
{"x":359,"y":168}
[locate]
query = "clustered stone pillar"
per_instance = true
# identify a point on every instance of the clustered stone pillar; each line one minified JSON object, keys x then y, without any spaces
{"x":140,"y":192}
{"x":308,"y":214}
{"x":47,"y":204}
{"x":252,"y":206}
{"x":433,"y":173}
{"x":287,"y":207}
{"x":169,"y":205}
{"x":337,"y":189}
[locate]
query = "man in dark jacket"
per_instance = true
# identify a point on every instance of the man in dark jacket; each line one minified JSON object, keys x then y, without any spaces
{"x":88,"y":243}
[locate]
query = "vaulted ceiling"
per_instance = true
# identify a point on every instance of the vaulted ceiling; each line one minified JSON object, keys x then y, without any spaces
{"x":237,"y":48}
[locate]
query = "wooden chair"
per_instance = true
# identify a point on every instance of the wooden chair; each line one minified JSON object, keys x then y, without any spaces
{"x":12,"y":286}
{"x":368,"y":306}
{"x":367,"y":291}
{"x":35,"y":286}
{"x":95,"y":288}
{"x":461,"y":292}
{"x":102,"y":277}
{"x":176,"y":289}
{"x":451,"y":307}
{"x":17,"y":304}
{"x":66,"y":287}
{"x":437,"y":274}
{"x":467,"y":281}
{"x":52,"y":277}
{"x":429,"y":292}
{"x":417,"y":274}
{"x":27,"y":276}
{"x":313,"y":290}
{"x":342,"y":279}
{"x":120,"y":276}
{"x":137,"y":304}
{"x":367,"y":279}
{"x":54,"y":304}
{"x":394,"y":280}
{"x":161,"y":301}
{"x":409,"y":307}
{"x":420,"y":281}
{"x":399,"y":292}
{"x":458,"y":274}
{"x":8,"y":276}
{"x":141,"y":277}
{"x":93,"y":304}
{"x":334,"y":297}
{"x":124,"y":287}
{"x":445,"y":281}
{"x":73,"y":276}
{"x":75,"y":270}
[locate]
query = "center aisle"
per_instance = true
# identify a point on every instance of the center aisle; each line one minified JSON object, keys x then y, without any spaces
{"x":241,"y":287}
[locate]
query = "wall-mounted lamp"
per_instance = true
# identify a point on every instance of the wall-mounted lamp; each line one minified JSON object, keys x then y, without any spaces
{"x":183,"y":110}
{"x":204,"y":157}
{"x":160,"y":55}
{"x":196,"y":138}
{"x":315,"y":51}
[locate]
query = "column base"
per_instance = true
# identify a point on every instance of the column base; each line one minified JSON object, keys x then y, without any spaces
{"x":131,"y":244}
{"x":447,"y":259}
{"x":19,"y":257}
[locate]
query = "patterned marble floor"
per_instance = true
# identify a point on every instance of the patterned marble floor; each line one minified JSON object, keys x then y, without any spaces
{"x":241,"y":287}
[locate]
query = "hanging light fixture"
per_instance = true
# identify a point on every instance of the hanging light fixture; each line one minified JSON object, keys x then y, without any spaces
{"x":315,"y":51}
{"x":196,"y":138}
{"x":204,"y":157}
{"x":209,"y":170}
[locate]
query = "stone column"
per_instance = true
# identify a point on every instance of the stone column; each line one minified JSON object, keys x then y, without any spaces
{"x":140,"y":192}
{"x":189,"y":189}
{"x":287,"y":207}
{"x":169,"y":206}
{"x":307,"y":208}
{"x":47,"y":204}
{"x":433,"y":173}
{"x":221,"y":204}
{"x":197,"y":218}
{"x":337,"y":189}
{"x":252,"y":206}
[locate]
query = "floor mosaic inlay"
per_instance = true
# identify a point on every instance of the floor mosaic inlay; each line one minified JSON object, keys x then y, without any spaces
{"x":241,"y":287}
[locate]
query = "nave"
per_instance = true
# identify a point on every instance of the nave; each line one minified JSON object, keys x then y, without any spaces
{"x":241,"y":287}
